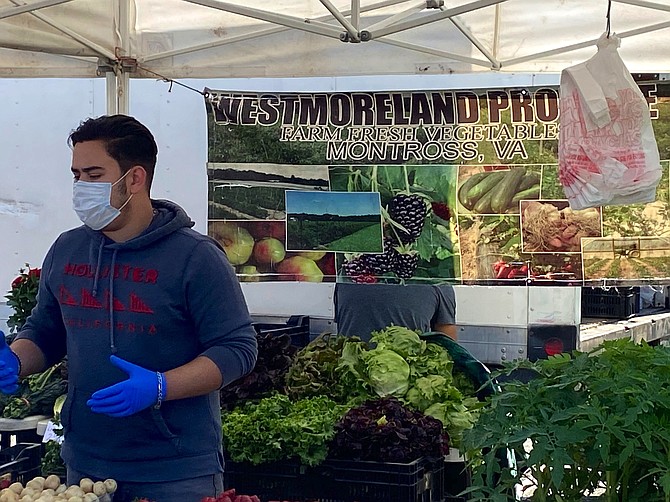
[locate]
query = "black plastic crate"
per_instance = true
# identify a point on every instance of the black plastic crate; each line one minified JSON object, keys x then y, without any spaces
{"x":297,"y":327}
{"x":340,"y":481}
{"x":614,"y":303}
{"x":21,"y":462}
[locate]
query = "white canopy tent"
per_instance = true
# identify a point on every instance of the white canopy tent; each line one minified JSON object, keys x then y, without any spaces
{"x":121,"y":39}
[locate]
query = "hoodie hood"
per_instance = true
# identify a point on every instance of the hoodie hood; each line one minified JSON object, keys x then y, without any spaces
{"x":168,"y":218}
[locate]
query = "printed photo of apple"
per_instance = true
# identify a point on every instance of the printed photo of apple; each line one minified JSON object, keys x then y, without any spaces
{"x":257,"y":250}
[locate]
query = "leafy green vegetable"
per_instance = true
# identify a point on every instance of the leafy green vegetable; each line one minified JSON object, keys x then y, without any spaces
{"x":275,"y":356}
{"x":403,"y":365}
{"x":384,"y":430}
{"x":399,"y":339}
{"x":387,"y":372}
{"x":37,"y":394}
{"x":277,"y":429}
{"x":315,"y":370}
{"x":603,"y":414}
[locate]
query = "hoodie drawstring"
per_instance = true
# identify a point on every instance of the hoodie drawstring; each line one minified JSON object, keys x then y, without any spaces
{"x":112,"y":346}
{"x":97,"y":268}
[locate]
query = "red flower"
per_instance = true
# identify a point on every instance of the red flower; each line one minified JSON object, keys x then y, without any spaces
{"x":34,"y":272}
{"x":17,"y":282}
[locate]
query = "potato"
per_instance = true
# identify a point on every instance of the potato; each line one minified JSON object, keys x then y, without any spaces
{"x":61,"y":489}
{"x":76,"y":498}
{"x":99,"y":488}
{"x":35,"y":484}
{"x":110,"y":485}
{"x":91,"y":497}
{"x":86,"y":485}
{"x":74,"y":491}
{"x":52,"y":481}
{"x":8,"y":495}
{"x":16,"y":487}
{"x":29,"y":491}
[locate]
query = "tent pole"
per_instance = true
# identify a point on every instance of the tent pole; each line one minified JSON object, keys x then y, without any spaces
{"x":262,"y":33}
{"x":110,"y":93}
{"x":20,"y":9}
{"x":123,"y":77}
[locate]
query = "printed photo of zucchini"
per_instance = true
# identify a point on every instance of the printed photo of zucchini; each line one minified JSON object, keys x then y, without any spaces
{"x":497,"y":191}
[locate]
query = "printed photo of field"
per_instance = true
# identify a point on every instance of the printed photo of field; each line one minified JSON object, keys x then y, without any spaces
{"x":626,"y":258}
{"x":257,"y":191}
{"x":348,"y":222}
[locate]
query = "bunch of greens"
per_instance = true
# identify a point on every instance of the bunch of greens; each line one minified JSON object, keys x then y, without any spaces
{"x":315,"y":370}
{"x":37,"y":394}
{"x":403,"y":365}
{"x":597,"y":419}
{"x":384,"y":430}
{"x":275,"y":356}
{"x":277,"y":429}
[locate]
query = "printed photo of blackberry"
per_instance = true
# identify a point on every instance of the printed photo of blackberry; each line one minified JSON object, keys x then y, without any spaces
{"x":406,"y":264}
{"x":380,"y":263}
{"x":358,"y":272}
{"x":410,"y":211}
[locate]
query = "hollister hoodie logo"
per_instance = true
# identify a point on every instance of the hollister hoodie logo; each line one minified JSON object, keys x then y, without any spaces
{"x":87,"y":300}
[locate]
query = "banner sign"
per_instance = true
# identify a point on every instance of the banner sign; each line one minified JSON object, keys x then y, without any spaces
{"x":465,"y":189}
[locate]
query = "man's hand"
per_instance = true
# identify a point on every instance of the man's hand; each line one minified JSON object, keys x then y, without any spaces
{"x":126,"y":398}
{"x":9,"y":368}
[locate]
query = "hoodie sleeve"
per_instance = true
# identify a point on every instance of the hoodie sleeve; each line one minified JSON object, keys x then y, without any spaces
{"x":44,"y":326}
{"x":217,"y":306}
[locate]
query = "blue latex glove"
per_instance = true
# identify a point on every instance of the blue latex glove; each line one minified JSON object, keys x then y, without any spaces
{"x":126,"y":398}
{"x":9,"y":368}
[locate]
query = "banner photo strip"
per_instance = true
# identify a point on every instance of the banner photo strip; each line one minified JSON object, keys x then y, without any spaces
{"x":432,"y":186}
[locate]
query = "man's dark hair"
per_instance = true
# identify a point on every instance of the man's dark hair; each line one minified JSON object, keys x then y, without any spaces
{"x":127,"y":141}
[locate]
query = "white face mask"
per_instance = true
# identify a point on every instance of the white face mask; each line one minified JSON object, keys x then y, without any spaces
{"x":92,"y":202}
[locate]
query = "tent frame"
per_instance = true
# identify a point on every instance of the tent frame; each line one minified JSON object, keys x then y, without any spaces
{"x":344,"y":25}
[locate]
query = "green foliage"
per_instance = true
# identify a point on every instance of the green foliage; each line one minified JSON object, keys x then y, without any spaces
{"x":587,"y":420}
{"x":400,"y":364}
{"x":342,"y":236}
{"x":277,"y":429}
{"x":314,"y":371}
{"x":22,"y":297}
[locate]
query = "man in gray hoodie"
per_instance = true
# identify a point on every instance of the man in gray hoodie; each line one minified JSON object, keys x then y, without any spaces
{"x":152,"y":320}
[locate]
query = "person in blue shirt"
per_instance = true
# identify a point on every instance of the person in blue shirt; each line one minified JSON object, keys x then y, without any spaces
{"x":153,"y":322}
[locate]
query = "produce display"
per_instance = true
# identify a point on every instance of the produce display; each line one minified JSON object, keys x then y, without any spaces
{"x":276,"y":428}
{"x":394,"y":399}
{"x":384,"y":430}
{"x":37,"y":393}
{"x":498,"y":191}
{"x":50,"y":489}
{"x":231,"y":496}
{"x":275,"y":356}
{"x":314,"y":371}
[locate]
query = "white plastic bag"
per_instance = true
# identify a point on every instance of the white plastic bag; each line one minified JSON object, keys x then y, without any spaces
{"x":607,"y":153}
